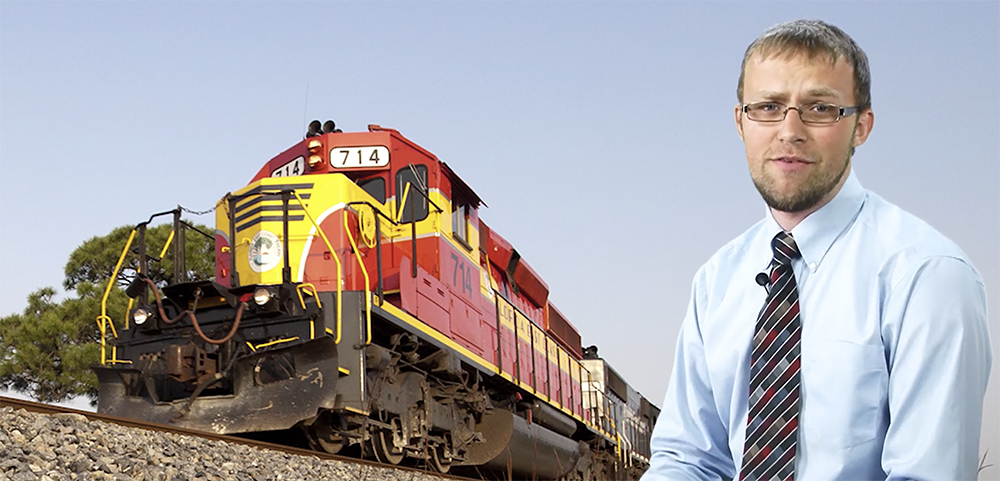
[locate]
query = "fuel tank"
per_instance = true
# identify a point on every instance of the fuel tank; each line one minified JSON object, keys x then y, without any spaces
{"x":524,"y":450}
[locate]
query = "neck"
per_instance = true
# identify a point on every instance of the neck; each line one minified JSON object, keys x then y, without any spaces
{"x":788,"y":220}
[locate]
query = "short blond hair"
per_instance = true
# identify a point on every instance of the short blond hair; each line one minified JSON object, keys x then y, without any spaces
{"x":814,"y":38}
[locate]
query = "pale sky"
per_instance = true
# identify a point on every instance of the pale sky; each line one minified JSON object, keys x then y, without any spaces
{"x":600,"y":134}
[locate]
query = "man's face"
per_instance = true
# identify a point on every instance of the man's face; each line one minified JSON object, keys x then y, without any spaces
{"x":798,"y":167}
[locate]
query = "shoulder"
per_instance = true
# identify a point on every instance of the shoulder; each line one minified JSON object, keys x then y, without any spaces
{"x":735,"y":255}
{"x":905,"y":245}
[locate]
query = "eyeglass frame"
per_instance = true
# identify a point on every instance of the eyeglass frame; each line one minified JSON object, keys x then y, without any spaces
{"x":841,"y":112}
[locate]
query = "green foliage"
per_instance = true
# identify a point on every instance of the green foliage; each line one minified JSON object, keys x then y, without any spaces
{"x":46,"y":351}
{"x":95,"y":259}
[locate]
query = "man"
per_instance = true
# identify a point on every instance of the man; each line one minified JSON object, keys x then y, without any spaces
{"x":840,"y":338}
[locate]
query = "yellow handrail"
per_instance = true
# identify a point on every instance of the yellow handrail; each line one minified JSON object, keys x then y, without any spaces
{"x":298,"y":289}
{"x":333,"y":254}
{"x":165,"y":246}
{"x":399,"y":208}
{"x":103,"y":319}
{"x":127,"y":310}
{"x":364,"y":270}
{"x":301,"y":287}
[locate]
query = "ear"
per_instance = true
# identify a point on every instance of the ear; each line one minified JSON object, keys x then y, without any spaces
{"x":738,"y":117}
{"x":866,"y":120}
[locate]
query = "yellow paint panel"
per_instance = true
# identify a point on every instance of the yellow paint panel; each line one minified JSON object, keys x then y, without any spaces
{"x":538,"y":338}
{"x":574,"y":369}
{"x":523,"y":326}
{"x":563,"y":361}
{"x":259,"y":258}
{"x":506,"y":313}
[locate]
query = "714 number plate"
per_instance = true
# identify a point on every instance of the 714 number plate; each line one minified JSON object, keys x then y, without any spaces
{"x":293,"y":168}
{"x":359,"y":157}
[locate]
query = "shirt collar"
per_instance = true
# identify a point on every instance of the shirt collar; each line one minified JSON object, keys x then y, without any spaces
{"x":816,"y":233}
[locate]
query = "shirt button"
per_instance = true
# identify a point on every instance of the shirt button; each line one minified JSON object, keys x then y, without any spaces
{"x":812,"y":266}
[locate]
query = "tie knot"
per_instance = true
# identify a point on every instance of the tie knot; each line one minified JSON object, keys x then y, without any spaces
{"x":784,"y":248}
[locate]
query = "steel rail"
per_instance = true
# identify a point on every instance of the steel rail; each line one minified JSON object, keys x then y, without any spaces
{"x":41,"y":408}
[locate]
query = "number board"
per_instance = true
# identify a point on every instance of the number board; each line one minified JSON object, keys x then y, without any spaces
{"x":289,"y":169}
{"x":364,"y":157}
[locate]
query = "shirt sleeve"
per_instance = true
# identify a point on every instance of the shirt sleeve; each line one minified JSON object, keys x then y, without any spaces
{"x":690,"y":441}
{"x":938,"y":353}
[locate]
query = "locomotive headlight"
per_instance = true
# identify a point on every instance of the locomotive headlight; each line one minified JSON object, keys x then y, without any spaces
{"x":315,"y":161}
{"x":261,"y":296}
{"x":140,"y":315}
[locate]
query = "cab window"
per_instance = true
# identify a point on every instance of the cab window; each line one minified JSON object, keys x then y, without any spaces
{"x":416,"y":177}
{"x":375,"y":187}
{"x":459,"y":218}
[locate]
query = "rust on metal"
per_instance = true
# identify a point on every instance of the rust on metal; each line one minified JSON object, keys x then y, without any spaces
{"x":189,"y":363}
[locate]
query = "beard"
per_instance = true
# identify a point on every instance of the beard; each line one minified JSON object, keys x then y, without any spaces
{"x":811,"y":192}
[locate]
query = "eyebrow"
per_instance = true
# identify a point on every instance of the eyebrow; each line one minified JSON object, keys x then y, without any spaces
{"x":823,"y":92}
{"x":769,"y":95}
{"x":819,"y":92}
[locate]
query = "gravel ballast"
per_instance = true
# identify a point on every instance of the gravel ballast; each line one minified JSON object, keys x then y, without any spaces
{"x":60,"y":447}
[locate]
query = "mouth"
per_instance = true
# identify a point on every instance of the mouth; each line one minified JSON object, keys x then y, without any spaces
{"x":790,"y":159}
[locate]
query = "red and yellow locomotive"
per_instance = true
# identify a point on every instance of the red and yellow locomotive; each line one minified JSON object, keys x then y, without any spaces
{"x":358,"y":296}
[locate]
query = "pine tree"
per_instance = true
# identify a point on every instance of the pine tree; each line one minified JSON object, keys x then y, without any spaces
{"x":46,"y":352}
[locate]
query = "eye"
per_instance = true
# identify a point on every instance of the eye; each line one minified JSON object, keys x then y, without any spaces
{"x":767,"y":106}
{"x":822,"y":108}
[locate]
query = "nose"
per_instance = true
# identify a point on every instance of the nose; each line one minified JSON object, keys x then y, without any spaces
{"x":791,"y":128}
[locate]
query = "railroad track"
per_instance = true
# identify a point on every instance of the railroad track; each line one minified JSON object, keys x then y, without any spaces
{"x":93,"y":416}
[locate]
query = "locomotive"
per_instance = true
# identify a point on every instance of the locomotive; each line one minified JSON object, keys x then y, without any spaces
{"x":358,"y":297}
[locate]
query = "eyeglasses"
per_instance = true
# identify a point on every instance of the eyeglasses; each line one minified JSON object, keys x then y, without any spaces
{"x":814,"y":113}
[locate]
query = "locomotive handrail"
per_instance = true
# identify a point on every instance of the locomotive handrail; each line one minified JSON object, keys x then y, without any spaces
{"x":378,"y":240}
{"x":177,"y":231}
{"x":413,"y":220}
{"x":364,"y":270}
{"x":103,"y":319}
{"x":167,"y":244}
{"x":378,"y":257}
{"x":171,"y":237}
{"x":233,"y":199}
{"x":333,"y":254}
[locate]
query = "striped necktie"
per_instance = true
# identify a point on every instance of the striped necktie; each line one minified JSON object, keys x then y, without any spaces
{"x":772,"y":422}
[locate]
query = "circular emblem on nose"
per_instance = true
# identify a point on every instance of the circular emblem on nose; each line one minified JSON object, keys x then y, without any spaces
{"x":265,"y":251}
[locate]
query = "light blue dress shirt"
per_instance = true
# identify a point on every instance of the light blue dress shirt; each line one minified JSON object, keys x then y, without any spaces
{"x":895,"y":351}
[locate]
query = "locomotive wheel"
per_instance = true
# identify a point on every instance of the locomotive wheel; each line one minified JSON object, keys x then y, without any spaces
{"x":387,"y":444}
{"x":438,"y":459}
{"x":324,"y":438}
